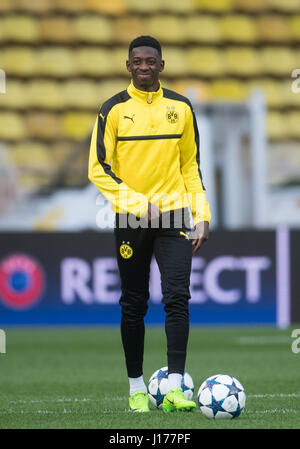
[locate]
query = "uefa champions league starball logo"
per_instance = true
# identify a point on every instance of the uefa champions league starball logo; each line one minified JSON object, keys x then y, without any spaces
{"x":22,"y":281}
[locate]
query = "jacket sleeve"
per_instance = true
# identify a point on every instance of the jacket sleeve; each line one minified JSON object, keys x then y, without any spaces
{"x":190,"y":168}
{"x":102,"y":149}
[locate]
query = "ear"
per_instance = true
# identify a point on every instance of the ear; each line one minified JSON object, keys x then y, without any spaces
{"x":128,"y":65}
{"x":162,"y":65}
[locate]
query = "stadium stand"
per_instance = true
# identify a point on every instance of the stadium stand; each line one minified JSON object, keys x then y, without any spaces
{"x":229,"y":90}
{"x":242,"y":61}
{"x":295,"y":27}
{"x":63,"y":58}
{"x":206,"y":29}
{"x":56,"y":29}
{"x":238,"y":28}
{"x":205,"y":61}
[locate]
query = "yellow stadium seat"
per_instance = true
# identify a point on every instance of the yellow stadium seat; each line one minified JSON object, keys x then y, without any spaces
{"x":143,"y":7}
{"x":21,"y":61}
{"x":19,"y":28}
{"x":277,"y":60}
{"x":31,"y":154}
{"x":106,"y":89}
{"x":196,"y":91}
{"x":285,"y":5}
{"x":45,"y":94}
{"x":104,"y":6}
{"x":167,"y":82}
{"x":273,"y":91}
{"x":291,"y":89}
{"x":250,"y":5}
{"x":39,"y":6}
{"x":293,"y":124}
{"x":202,"y":28}
{"x":295,"y":27}
{"x":79,"y":94}
{"x":204,"y":62}
{"x":215,"y":5}
{"x":93,"y":28}
{"x":175,"y":61}
{"x":238,"y":28}
{"x":43,"y":125}
{"x":273,"y":28}
{"x":229,"y":90}
{"x":297,"y":58}
{"x":241,"y":61}
{"x":167,"y":28}
{"x":57,"y":29}
{"x":11,"y":126}
{"x":178,"y":6}
{"x":69,"y":6}
{"x":16,"y":96}
{"x":118,"y":60}
{"x":30,"y":182}
{"x":77,"y":125}
{"x":60,"y":150}
{"x":93,"y":61}
{"x":5,"y":6}
{"x":126,"y":28}
{"x":276,"y":125}
{"x":56,"y":61}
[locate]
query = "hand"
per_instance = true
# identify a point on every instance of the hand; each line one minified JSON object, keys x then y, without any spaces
{"x":201,"y":235}
{"x":153,"y":212}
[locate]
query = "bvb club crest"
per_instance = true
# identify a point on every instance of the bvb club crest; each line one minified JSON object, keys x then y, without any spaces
{"x":125,"y":250}
{"x":172,"y":115}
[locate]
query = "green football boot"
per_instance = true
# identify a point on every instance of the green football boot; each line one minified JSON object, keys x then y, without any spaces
{"x":139,"y":402}
{"x":175,"y":400}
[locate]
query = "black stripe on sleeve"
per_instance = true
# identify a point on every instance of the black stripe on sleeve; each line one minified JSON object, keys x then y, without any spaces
{"x":104,"y":111}
{"x":197,"y":140}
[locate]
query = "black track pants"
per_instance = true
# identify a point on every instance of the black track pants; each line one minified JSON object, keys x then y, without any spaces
{"x":173,"y":252}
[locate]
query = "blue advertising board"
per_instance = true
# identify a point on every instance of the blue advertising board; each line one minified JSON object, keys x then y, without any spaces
{"x":72,"y":278}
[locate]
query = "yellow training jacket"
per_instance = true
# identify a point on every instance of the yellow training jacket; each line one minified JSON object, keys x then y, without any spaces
{"x":152,"y":142}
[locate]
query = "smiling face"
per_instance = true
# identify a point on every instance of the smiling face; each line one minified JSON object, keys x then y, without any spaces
{"x":145,"y":64}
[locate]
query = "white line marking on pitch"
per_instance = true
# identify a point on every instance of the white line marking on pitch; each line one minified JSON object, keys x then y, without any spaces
{"x":275,"y":395}
{"x":262,"y":340}
{"x":62,"y":400}
{"x":274,"y":410}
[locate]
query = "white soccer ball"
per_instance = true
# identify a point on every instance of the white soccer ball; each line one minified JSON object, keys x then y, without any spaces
{"x":158,"y":386}
{"x":221,"y":396}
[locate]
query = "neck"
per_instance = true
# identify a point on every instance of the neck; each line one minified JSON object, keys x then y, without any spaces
{"x":153,"y":88}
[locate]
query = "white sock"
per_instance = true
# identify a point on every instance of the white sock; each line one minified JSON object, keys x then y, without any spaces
{"x":174,"y":380}
{"x":136,"y":384}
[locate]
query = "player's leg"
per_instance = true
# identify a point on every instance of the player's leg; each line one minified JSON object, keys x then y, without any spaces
{"x":173,"y":252}
{"x":134,"y":251}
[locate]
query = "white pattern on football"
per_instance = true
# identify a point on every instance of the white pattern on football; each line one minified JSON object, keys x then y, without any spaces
{"x":221,"y":396}
{"x":158,"y":386}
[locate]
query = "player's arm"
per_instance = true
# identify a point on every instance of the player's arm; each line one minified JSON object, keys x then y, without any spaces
{"x":190,"y":169}
{"x":102,"y":148}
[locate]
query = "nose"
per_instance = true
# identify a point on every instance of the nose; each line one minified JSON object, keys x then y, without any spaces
{"x":144,"y":66}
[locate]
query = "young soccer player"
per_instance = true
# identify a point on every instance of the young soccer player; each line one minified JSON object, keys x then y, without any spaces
{"x":144,"y":157}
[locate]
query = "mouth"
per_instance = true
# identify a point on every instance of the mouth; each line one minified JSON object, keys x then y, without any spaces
{"x":144,"y":75}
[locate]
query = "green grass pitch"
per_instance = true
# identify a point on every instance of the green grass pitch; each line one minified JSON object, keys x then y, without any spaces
{"x":75,"y":378}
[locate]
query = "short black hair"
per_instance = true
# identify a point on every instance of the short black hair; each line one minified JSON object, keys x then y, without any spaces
{"x":145,"y":41}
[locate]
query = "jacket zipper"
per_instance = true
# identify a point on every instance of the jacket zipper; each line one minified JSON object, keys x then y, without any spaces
{"x":149,"y":101}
